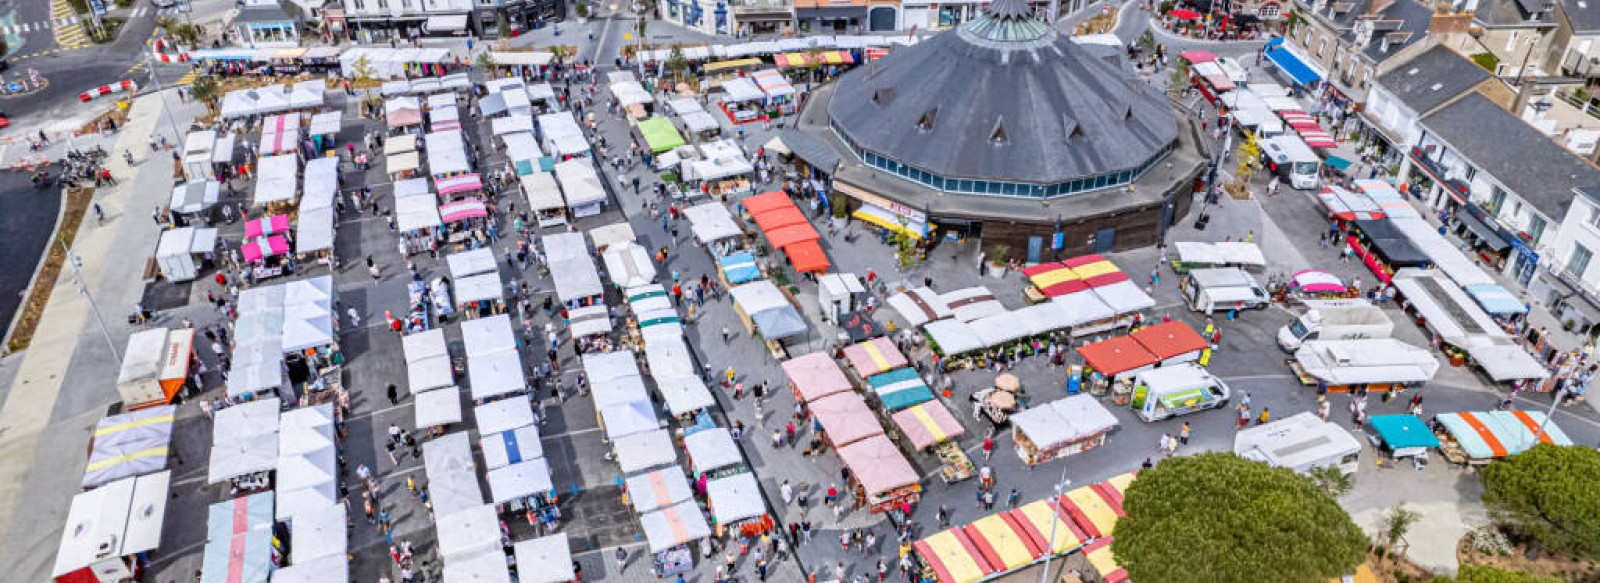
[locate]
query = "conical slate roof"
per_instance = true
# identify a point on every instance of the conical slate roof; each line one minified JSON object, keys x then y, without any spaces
{"x":1003,"y":97}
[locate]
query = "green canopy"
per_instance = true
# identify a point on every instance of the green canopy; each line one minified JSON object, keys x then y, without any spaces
{"x":524,"y":167}
{"x":660,"y":134}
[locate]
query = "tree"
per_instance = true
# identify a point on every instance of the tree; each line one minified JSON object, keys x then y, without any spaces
{"x":813,"y":61}
{"x":1221,"y":518}
{"x":906,"y":252}
{"x":1178,"y":79}
{"x":1396,"y":523}
{"x":1484,"y":574}
{"x":205,"y":90}
{"x":1147,"y":42}
{"x":180,"y":32}
{"x":677,"y":63}
{"x":486,"y":62}
{"x":1331,"y":480}
{"x":1548,"y":493}
{"x":559,"y":53}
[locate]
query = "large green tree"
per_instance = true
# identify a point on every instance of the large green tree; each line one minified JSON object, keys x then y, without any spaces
{"x":1482,"y":574}
{"x":1221,"y":518}
{"x":1549,"y":492}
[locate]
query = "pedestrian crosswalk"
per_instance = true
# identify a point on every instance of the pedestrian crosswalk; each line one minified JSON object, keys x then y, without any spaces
{"x":187,"y":78}
{"x":143,"y":10}
{"x":66,"y":28}
{"x":40,"y":26}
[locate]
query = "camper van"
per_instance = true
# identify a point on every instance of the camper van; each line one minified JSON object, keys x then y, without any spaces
{"x":1171,"y":391}
{"x":1291,"y":160}
{"x":1352,"y":319}
{"x":1300,"y":442}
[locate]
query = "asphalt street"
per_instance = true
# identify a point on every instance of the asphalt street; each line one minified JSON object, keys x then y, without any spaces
{"x":28,"y":217}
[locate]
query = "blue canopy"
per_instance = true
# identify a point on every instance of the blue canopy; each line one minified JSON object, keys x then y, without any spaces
{"x":1403,"y":431}
{"x":900,"y":388}
{"x":1495,"y":299}
{"x":1336,"y":162}
{"x":1291,"y":65}
{"x":740,"y":267}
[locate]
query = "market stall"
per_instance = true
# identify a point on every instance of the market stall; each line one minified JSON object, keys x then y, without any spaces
{"x":952,"y":558}
{"x":669,"y":532}
{"x":814,"y":376}
{"x":738,"y":267}
{"x":503,"y":415}
{"x":510,"y":447}
{"x":952,"y":337}
{"x":518,"y":481}
{"x":494,"y":367}
{"x":1088,"y":313}
{"x":715,"y":228}
{"x":787,"y":229}
{"x":900,"y":388}
{"x":1105,"y":564}
{"x":437,"y":408}
{"x":971,"y":303}
{"x":427,"y":361}
{"x":1096,"y":507}
{"x":1116,"y":359}
{"x":452,"y":475}
{"x":722,"y":170}
{"x":741,"y":100}
{"x":614,"y":378}
{"x":928,"y":424}
{"x":767,"y":311}
{"x":1374,"y":364}
{"x":658,"y":489}
{"x":581,"y":187}
{"x":1004,"y":544}
{"x":308,"y":466}
{"x":1193,"y":255}
{"x":845,"y":419}
{"x":920,"y":305}
{"x":244,"y":443}
{"x":1384,"y":249}
{"x":1060,"y":428}
{"x":1171,"y":342}
{"x":646,"y":450}
{"x":320,"y":547}
{"x":736,"y":502}
{"x":544,"y":199}
{"x":874,"y":356}
{"x":1043,"y":519}
{"x":195,"y":197}
{"x":1318,"y":283}
{"x":129,"y":445}
{"x":711,"y":450}
{"x":1402,"y":435}
{"x":621,"y":420}
{"x":467,"y":533}
{"x":1480,"y":437}
{"x":881,"y":478}
{"x":629,"y":265}
{"x":657,"y":134}
{"x":155,"y":366}
{"x":239,"y":541}
{"x":676,"y":379}
{"x":111,"y":530}
{"x":544,"y":560}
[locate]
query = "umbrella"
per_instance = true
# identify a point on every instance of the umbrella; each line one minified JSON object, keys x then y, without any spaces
{"x":1184,"y":14}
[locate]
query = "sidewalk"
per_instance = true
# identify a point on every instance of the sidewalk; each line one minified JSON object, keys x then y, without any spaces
{"x":45,"y":424}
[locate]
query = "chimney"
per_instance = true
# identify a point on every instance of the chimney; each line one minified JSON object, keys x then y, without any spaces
{"x":1445,"y":23}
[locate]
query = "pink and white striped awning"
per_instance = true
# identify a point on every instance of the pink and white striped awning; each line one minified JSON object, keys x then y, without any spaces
{"x":458,"y":184}
{"x":1318,"y":281}
{"x":462,"y":210}
{"x":258,"y":249}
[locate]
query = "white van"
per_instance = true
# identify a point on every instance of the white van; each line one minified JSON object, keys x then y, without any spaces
{"x":1222,"y":288}
{"x":1291,"y":160}
{"x":1174,"y":390}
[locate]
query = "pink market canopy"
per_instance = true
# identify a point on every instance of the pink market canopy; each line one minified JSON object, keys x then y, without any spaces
{"x":272,"y":225}
{"x":845,"y":418}
{"x":459,"y":184}
{"x":815,"y":375}
{"x":878,"y":465}
{"x":258,"y":249}
{"x":462,"y":210}
{"x":874,"y":356}
{"x":1318,"y":281}
{"x":1198,"y":56}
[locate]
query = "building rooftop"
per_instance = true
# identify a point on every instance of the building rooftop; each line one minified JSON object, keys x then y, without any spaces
{"x":1432,"y":78}
{"x":1395,"y":26}
{"x":1518,"y":156}
{"x":1003,"y":97}
{"x":1582,"y":15}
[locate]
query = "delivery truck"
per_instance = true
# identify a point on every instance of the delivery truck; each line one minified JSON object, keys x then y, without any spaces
{"x":1171,"y":391}
{"x":1352,"y":319}
{"x":1223,"y":288}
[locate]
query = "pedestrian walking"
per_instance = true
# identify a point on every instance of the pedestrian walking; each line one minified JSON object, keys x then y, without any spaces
{"x":988,"y":445}
{"x":1183,"y":434}
{"x":777,"y":434}
{"x":622,"y":560}
{"x":394,"y":433}
{"x":355,"y":318}
{"x":988,"y":499}
{"x":1244,"y":415}
{"x":394,"y":394}
{"x":1266,"y":415}
{"x":1011,"y":499}
{"x":390,"y":448}
{"x":726,"y":335}
{"x":943,"y":516}
{"x":787,"y":492}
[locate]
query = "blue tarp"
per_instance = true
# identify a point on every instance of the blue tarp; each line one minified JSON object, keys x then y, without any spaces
{"x":1495,"y":299}
{"x":1290,"y":64}
{"x":740,"y":267}
{"x":1403,"y":431}
{"x":1336,"y":162}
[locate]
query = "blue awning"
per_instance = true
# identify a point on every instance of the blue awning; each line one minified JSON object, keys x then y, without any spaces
{"x":1292,"y":66}
{"x":1336,"y":162}
{"x":1403,"y":431}
{"x":1495,"y":299}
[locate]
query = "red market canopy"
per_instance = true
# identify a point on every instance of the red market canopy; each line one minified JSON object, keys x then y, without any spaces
{"x":1117,"y":355}
{"x":807,"y":256}
{"x":761,"y":203}
{"x":1054,"y":279}
{"x":1170,"y":340}
{"x":1184,"y":14}
{"x":779,"y":217}
{"x":1197,"y":56}
{"x":791,"y":235}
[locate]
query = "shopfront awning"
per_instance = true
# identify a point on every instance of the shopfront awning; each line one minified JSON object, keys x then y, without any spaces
{"x":1487,"y":235}
{"x":446,"y":23}
{"x":1292,"y":63}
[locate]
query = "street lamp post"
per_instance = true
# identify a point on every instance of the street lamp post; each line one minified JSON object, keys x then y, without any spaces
{"x":76,"y":262}
{"x":1050,"y":543}
{"x":155,"y":80}
{"x":1548,"y":414}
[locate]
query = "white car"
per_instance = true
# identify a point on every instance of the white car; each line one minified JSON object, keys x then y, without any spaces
{"x":1236,"y":72}
{"x":164,"y":3}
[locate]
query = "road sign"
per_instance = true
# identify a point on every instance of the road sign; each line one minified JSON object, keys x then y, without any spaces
{"x":99,"y":7}
{"x":1058,"y":240}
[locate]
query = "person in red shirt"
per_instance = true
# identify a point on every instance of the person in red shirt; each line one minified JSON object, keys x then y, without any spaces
{"x":988,"y":446}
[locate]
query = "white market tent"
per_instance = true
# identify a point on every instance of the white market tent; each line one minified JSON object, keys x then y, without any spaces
{"x":1000,"y":328}
{"x":735,"y":498}
{"x":1044,"y":318}
{"x":629,"y":265}
{"x":324,"y":569}
{"x":276,"y":178}
{"x":319,"y":533}
{"x":447,"y":153}
{"x":739,"y":90}
{"x":321,"y":184}
{"x":630,"y":93}
{"x":314,"y":230}
{"x":477,"y":288}
{"x":519,"y":480}
{"x":195,"y":196}
{"x":509,"y":447}
{"x":427,"y":361}
{"x":919,"y":306}
{"x":542,"y":193}
{"x":495,"y":374}
{"x":774,"y":317}
{"x":326,"y":123}
{"x":307,"y":313}
{"x":116,"y":520}
{"x":438,"y":407}
{"x":676,"y":379}
{"x":670,"y":527}
{"x":521,"y":146}
{"x":612,"y":234}
{"x":588,"y":321}
{"x":581,"y":186}
{"x":1124,"y":297}
{"x":711,"y":449}
{"x":645,"y":451}
{"x":972,"y":303}
{"x":953,"y":336}
{"x":307,"y":94}
{"x":472,"y":262}
{"x":485,"y":567}
{"x":502,"y":126}
{"x":1446,"y":308}
{"x":308,"y":465}
{"x":574,"y":274}
{"x":387,"y":63}
{"x":1444,"y":254}
{"x":614,"y":378}
{"x":1064,"y":421}
{"x":684,"y":105}
{"x":1505,"y":360}
{"x":561,"y":134}
{"x":626,"y":419}
{"x":244,"y":440}
{"x":402,"y":162}
{"x":452,"y":475}
{"x":503,"y":415}
{"x":469,"y":531}
{"x":488,"y":335}
{"x":1083,"y":307}
{"x":523,"y":59}
{"x":544,"y":560}
{"x":712,"y":222}
{"x":658,"y":489}
{"x":699,"y":121}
